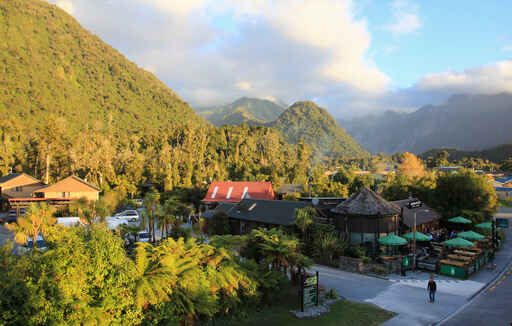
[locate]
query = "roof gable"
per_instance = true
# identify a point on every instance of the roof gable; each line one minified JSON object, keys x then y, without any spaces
{"x":15,"y":179}
{"x":368,"y":203}
{"x":233,"y":192}
{"x":70,"y":184}
{"x":277,"y":212}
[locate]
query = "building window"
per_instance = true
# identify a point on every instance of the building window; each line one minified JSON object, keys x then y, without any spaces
{"x":18,"y":189}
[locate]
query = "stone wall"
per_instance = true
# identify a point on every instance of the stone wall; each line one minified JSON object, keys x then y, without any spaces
{"x":357,"y":265}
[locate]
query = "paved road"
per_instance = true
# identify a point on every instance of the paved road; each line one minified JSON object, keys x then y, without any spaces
{"x":493,"y":307}
{"x":407,"y":296}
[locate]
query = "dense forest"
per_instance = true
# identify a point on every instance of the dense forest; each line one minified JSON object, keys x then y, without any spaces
{"x":313,"y":125}
{"x":74,"y":105}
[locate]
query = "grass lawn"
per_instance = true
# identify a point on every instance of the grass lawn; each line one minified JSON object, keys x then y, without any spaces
{"x":343,"y":313}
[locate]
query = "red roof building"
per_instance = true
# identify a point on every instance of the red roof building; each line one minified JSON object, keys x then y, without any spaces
{"x":233,"y":192}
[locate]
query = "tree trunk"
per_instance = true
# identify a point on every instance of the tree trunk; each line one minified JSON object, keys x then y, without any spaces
{"x":47,"y":168}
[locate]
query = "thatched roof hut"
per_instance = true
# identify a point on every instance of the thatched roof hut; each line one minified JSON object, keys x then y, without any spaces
{"x":367,"y":203}
{"x":365,"y":217}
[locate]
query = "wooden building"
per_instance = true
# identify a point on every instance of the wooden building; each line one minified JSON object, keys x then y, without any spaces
{"x":19,"y":185}
{"x":365,"y":217}
{"x":69,"y":188}
{"x":427,"y":219}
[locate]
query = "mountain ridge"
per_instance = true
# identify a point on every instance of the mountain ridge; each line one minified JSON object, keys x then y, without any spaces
{"x":309,"y":123}
{"x":466,"y":122}
{"x":252,"y":111}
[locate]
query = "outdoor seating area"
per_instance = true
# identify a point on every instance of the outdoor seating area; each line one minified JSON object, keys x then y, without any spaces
{"x":459,"y":252}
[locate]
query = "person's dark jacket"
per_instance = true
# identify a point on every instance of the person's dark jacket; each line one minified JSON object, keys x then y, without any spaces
{"x":432,"y":286}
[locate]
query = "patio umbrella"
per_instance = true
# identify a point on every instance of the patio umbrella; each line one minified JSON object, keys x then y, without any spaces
{"x":419,"y":236}
{"x":471,"y":235}
{"x":485,"y":226}
{"x":392,"y":240}
{"x":458,"y":242}
{"x":460,"y":220}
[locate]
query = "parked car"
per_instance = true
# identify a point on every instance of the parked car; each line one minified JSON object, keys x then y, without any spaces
{"x":131,"y":215}
{"x":138,"y":201}
{"x":143,"y":236}
{"x":122,"y":209}
{"x":13,"y":215}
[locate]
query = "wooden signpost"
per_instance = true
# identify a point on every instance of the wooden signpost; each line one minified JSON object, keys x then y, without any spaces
{"x":308,"y":291}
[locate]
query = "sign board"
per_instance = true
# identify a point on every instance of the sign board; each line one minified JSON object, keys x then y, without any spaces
{"x":414,"y":204}
{"x":502,"y":223}
{"x":309,"y":291}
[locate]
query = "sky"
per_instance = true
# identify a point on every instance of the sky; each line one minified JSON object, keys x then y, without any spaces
{"x":352,"y":57}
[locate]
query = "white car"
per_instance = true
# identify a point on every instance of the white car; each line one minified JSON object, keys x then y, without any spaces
{"x":130,"y":215}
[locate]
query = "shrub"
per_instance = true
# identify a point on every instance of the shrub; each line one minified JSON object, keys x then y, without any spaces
{"x":331,"y":294}
{"x":380,"y":270}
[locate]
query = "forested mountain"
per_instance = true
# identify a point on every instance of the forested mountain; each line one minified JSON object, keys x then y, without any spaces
{"x":252,"y":111}
{"x":70,"y":100}
{"x":466,"y":122}
{"x":495,"y":154}
{"x":307,"y":122}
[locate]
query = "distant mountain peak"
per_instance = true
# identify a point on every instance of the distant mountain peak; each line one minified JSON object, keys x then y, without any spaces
{"x":253,"y":111}
{"x":307,"y":122}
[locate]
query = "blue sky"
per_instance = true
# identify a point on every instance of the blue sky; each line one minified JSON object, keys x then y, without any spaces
{"x":353,"y":57}
{"x":454,"y":35}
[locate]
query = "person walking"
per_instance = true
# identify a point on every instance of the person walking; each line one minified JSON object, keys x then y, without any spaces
{"x":432,"y":287}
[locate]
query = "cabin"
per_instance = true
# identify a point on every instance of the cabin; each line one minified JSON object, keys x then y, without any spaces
{"x":69,"y":188}
{"x":19,"y":185}
{"x":236,"y":191}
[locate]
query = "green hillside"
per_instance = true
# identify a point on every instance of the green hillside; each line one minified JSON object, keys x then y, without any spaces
{"x":50,"y":64}
{"x":72,"y":104}
{"x":313,"y":125}
{"x":252,"y":111}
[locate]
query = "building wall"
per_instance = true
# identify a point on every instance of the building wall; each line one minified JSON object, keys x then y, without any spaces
{"x":93,"y":195}
{"x":26,"y":191}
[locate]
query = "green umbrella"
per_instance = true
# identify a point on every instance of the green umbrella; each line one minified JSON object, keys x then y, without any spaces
{"x":458,"y":242}
{"x":471,"y":235}
{"x":460,"y":220}
{"x":392,"y":240}
{"x":419,"y":236}
{"x":486,"y":225}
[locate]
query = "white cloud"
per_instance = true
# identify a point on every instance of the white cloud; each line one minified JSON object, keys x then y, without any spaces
{"x":487,"y":79}
{"x":507,"y":48}
{"x":67,"y":5}
{"x":405,"y":18}
{"x":212,"y":51}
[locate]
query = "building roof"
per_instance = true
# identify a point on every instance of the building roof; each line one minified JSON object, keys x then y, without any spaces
{"x":424,"y":214}
{"x":223,"y":207}
{"x":368,"y":203}
{"x":290,"y":189}
{"x":277,"y":212}
{"x":233,"y":192}
{"x":11,"y":176}
{"x":70,"y":184}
